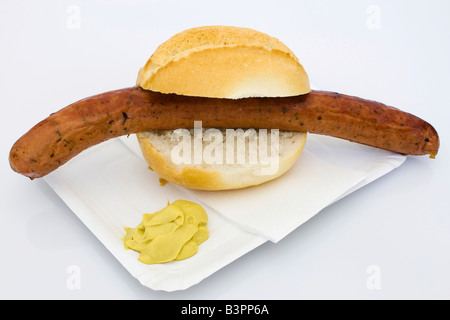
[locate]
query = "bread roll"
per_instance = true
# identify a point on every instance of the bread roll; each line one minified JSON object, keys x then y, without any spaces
{"x":222,"y":62}
{"x":158,"y":146}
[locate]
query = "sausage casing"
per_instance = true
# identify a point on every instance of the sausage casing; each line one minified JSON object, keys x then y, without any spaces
{"x":64,"y":134}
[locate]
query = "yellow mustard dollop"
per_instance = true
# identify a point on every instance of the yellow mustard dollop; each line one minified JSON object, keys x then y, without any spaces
{"x":173,"y":233}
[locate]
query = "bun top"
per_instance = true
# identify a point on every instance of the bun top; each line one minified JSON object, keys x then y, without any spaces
{"x":224,"y":62}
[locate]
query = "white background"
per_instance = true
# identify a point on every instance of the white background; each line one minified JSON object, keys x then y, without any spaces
{"x":396,"y":52}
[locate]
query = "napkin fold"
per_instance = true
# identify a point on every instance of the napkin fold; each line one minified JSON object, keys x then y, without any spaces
{"x":276,"y":208}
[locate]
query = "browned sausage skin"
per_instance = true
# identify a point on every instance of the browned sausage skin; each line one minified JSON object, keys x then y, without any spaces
{"x":64,"y":134}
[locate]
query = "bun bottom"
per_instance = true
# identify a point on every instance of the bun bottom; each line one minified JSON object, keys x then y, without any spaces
{"x":249,"y":157}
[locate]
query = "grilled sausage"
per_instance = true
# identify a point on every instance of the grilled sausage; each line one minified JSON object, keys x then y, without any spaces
{"x":64,"y":134}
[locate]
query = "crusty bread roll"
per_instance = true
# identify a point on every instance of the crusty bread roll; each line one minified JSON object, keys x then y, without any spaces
{"x":157,"y":148}
{"x":222,"y":62}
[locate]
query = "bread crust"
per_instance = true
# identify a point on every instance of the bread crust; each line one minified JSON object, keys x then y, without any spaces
{"x":224,"y":62}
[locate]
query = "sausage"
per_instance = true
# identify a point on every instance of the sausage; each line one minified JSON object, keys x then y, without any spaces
{"x":66,"y":133}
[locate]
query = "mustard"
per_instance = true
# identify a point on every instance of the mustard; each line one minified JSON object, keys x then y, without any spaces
{"x":173,"y":233}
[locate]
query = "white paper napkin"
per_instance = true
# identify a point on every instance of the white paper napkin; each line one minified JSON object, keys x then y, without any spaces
{"x":109,"y":187}
{"x":276,"y":208}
